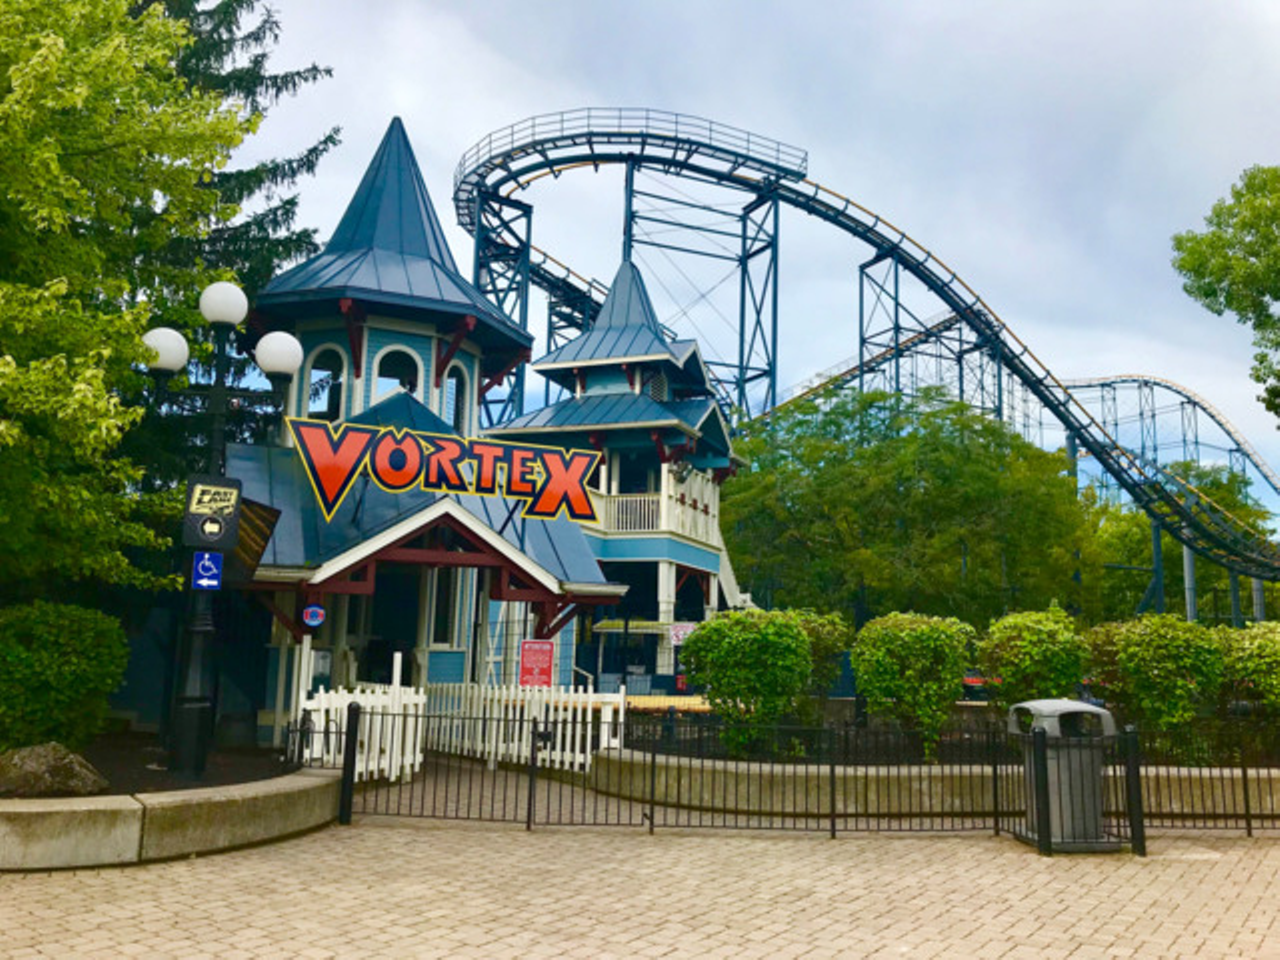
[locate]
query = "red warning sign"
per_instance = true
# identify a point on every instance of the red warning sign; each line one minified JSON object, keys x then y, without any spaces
{"x":536,"y":659}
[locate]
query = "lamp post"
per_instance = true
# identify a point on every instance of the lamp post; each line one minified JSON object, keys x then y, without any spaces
{"x":278,"y":355}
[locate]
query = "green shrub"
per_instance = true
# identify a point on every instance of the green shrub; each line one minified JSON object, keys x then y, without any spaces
{"x":1035,"y":655}
{"x":830,"y":639}
{"x":1158,"y":670}
{"x":753,"y":666}
{"x":1252,"y":666}
{"x":911,"y":667}
{"x":58,"y":664}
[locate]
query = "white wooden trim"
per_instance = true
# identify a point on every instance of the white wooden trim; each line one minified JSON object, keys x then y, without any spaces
{"x":443,"y":507}
{"x":304,"y":394}
{"x":373,"y":373}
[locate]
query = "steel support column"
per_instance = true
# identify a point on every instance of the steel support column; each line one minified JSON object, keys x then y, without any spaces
{"x":758,"y":306}
{"x":1237,"y":615}
{"x":1189,"y":581}
{"x":500,"y":271}
{"x":1153,"y":599}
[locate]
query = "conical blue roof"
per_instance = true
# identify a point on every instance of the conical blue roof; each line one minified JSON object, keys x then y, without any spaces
{"x":391,"y":209}
{"x":389,"y":252}
{"x":626,"y":330}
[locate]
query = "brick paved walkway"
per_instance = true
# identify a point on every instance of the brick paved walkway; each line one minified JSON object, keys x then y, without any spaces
{"x":404,"y":888}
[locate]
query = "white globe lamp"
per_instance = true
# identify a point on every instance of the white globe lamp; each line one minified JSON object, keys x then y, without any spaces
{"x":170,"y":348}
{"x":278,"y":354}
{"x":223,"y":303}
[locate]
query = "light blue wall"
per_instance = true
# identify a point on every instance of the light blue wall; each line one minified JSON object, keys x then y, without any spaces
{"x":446,"y":666}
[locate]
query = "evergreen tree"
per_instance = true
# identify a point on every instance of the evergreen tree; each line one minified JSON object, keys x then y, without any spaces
{"x":229,"y":54}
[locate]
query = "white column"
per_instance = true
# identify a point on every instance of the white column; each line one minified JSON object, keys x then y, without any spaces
{"x":426,"y":597}
{"x":301,"y":681}
{"x":280,"y":639}
{"x":343,"y":659}
{"x":666,"y":614}
{"x":713,"y":596}
{"x":664,"y":498}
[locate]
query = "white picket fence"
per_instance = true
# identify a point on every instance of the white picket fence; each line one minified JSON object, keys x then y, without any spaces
{"x":493,"y":723}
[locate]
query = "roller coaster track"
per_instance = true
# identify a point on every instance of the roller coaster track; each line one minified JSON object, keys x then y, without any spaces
{"x":1216,"y":415}
{"x":846,"y":371}
{"x":513,"y":158}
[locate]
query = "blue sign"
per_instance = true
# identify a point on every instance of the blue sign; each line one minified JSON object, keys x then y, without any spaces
{"x":313,"y":615}
{"x":206,"y":571}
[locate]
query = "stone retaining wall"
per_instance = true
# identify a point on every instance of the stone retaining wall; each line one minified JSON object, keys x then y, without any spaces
{"x":105,"y":831}
{"x":780,"y":789}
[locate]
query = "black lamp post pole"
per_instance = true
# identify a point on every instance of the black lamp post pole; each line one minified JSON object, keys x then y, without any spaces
{"x":193,"y":710}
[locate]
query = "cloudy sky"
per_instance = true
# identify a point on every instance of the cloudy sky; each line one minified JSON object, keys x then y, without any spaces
{"x":1045,"y":150}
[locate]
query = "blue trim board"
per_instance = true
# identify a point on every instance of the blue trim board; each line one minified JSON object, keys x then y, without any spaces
{"x":653,"y":548}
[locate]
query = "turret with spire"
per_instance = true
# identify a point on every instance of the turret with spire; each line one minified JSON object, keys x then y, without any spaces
{"x":383,"y":307}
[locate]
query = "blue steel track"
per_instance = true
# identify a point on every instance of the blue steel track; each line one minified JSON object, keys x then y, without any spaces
{"x":509,"y":160}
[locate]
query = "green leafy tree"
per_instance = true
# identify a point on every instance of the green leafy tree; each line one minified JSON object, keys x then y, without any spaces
{"x":1233,"y":266}
{"x":910,"y":668}
{"x":1124,"y":539}
{"x":830,"y":639}
{"x":104,"y":152}
{"x":1252,"y":666}
{"x":868,"y":503}
{"x":754,"y":668}
{"x":1035,"y":654}
{"x":1158,"y":670}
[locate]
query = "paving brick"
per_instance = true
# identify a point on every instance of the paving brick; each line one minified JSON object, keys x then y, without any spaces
{"x":395,"y":888}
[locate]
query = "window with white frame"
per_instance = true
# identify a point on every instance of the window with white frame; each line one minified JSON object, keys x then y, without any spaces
{"x":453,"y":402}
{"x":397,"y":371}
{"x":325,"y":385}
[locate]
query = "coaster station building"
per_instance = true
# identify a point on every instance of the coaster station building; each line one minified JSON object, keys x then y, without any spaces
{"x":394,"y":337}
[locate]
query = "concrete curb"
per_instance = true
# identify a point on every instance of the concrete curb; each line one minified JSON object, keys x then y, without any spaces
{"x":61,"y":833}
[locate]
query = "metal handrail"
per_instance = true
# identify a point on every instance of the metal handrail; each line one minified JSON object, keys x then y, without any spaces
{"x":641,"y":127}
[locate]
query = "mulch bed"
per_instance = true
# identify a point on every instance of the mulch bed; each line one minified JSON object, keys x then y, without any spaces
{"x":136,"y":763}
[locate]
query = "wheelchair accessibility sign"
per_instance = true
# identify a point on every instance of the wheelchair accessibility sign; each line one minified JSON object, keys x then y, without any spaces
{"x":206,"y":571}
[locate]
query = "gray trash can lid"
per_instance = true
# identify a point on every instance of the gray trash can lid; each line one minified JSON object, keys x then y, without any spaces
{"x":1051,"y":712}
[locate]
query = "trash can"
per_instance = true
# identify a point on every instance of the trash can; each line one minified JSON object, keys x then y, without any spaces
{"x":1077,"y":735}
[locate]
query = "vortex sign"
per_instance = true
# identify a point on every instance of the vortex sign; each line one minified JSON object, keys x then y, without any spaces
{"x":549,"y":480}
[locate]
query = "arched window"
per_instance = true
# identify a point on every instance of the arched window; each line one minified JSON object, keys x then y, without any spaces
{"x":325,"y":393}
{"x":397,"y":371}
{"x":453,"y":404}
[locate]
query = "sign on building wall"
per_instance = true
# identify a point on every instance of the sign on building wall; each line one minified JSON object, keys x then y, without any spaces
{"x":549,"y":480}
{"x":679,"y":632}
{"x":537,"y":660}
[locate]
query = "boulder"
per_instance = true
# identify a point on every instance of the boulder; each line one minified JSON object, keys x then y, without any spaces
{"x":48,"y":770}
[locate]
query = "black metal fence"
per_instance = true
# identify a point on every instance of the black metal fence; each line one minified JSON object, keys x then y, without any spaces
{"x":1059,"y":794}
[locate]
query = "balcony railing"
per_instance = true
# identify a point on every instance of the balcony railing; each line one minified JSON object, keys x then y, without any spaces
{"x":631,"y":513}
{"x":642,"y":513}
